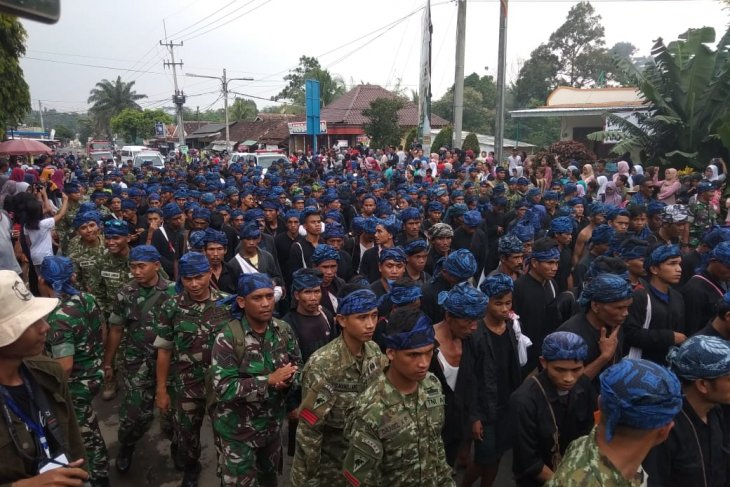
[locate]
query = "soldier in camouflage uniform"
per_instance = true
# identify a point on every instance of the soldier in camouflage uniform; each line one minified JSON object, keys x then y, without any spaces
{"x":65,"y":227}
{"x":86,"y":250}
{"x":188,"y":324}
{"x":702,"y":216}
{"x":394,"y":431}
{"x":75,"y":341}
{"x":332,"y":380}
{"x":136,"y":312}
{"x":114,"y":273}
{"x":639,"y":400}
{"x":251,"y":385}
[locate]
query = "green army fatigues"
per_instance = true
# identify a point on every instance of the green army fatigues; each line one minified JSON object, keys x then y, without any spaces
{"x":188,"y":328}
{"x":702,"y":217}
{"x":136,"y":311}
{"x":332,"y":381}
{"x":395,"y":439}
{"x":248,"y":415}
{"x":86,"y":261}
{"x":64,"y":228}
{"x":76,"y":331}
{"x":114,"y":273}
{"x":584,"y":466}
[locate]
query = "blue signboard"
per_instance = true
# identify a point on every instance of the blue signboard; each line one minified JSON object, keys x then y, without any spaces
{"x":312,"y":110}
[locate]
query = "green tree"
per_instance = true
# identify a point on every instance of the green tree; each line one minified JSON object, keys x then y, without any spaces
{"x":411,"y":136}
{"x":242,"y":109}
{"x":14,"y":92}
{"x":383,"y":127}
{"x":471,"y":142}
{"x":478,"y":113}
{"x":537,"y":78}
{"x":64,"y":133}
{"x":330,"y":86}
{"x":86,"y":129}
{"x":109,"y":98}
{"x":443,"y":138}
{"x":686,"y":86}
{"x":134,"y":124}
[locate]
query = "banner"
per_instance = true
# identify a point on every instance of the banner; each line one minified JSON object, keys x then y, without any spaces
{"x":424,"y":86}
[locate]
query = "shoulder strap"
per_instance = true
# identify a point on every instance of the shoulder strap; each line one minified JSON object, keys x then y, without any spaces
{"x":636,"y":352}
{"x":150,"y":303}
{"x":238,"y":339}
{"x":555,"y":451}
{"x":301,"y":249}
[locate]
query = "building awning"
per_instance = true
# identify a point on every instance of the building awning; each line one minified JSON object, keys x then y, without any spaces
{"x":249,"y":142}
{"x":567,"y":111}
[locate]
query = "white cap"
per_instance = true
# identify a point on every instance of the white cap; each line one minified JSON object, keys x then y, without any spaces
{"x":19,"y":309}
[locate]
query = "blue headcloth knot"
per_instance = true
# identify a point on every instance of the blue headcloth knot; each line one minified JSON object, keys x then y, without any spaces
{"x":524,"y":231}
{"x":144,"y":253}
{"x":564,"y":345}
{"x":550,"y":196}
{"x":510,"y":244}
{"x":461,"y":264}
{"x":562,"y":224}
{"x":435,"y":206}
{"x":307,"y":212}
{"x":57,"y":272}
{"x":114,"y":228}
{"x":415,"y":246}
{"x":553,"y":253}
{"x":171,"y":210}
{"x":250,"y":231}
{"x":306,"y":279}
{"x":249,"y":283}
{"x":700,"y":357}
{"x":333,"y":215}
{"x":253,"y":215}
{"x":410,"y":213}
{"x":201,"y":213}
{"x":324,"y":252}
{"x":215,"y":236}
{"x":364,"y":225}
{"x":129,"y":205}
{"x":400,"y":295}
{"x":633,"y":250}
{"x":602,"y":234}
{"x":716,"y":235}
{"x":464,"y":301}
{"x":533,"y":192}
{"x":334,"y":230}
{"x":661,"y":254}
{"x":291,"y":214}
{"x":639,"y":394}
{"x":193,"y":264}
{"x":605,"y":288}
{"x":196,"y":239}
{"x":391,"y":224}
{"x":655,"y":208}
{"x":82,"y":218}
{"x":721,"y":253}
{"x":360,"y":301}
{"x":396,"y":254}
{"x":421,"y":335}
{"x":497,"y":285}
{"x":472,"y":218}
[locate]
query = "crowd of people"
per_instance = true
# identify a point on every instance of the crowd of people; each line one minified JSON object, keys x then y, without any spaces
{"x":403,"y":316}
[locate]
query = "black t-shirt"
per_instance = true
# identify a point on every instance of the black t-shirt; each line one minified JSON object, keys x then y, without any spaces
{"x":503,"y":354}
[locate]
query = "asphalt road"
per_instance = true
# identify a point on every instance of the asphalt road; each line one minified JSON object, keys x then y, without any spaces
{"x":152,"y":465}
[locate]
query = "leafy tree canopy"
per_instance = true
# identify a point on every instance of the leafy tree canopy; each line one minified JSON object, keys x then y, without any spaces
{"x":443,"y":139}
{"x":383,"y":127}
{"x":471,"y":142}
{"x":134,"y":124}
{"x":242,"y":109}
{"x":64,"y":133}
{"x":14,"y":92}
{"x":330,"y":86}
{"x":109,"y":98}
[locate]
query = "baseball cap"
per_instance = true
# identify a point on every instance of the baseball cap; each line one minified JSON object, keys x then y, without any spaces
{"x":19,"y":309}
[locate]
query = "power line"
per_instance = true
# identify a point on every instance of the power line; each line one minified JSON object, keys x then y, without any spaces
{"x":198,"y":21}
{"x":231,"y":20}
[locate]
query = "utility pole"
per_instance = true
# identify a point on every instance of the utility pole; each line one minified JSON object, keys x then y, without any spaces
{"x":501,"y":67}
{"x":40,"y":112}
{"x":459,"y":72}
{"x":178,"y":98}
{"x":224,"y":84}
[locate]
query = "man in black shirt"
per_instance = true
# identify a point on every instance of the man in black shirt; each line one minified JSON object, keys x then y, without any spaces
{"x":326,"y":260}
{"x":561,"y":230}
{"x":695,"y":454}
{"x":552,"y":408}
{"x":720,"y":326}
{"x":706,"y":288}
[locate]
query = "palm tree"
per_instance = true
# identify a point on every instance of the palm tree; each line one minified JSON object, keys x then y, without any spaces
{"x":110,"y":98}
{"x":242,"y":109}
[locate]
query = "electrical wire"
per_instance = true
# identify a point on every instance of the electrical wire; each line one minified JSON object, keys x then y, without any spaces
{"x":198,"y":21}
{"x":230,"y":20}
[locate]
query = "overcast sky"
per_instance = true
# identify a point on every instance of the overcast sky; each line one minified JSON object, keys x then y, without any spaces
{"x":263,"y":39}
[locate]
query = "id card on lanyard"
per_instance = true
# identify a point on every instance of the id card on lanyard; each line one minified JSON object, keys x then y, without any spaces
{"x":9,"y":404}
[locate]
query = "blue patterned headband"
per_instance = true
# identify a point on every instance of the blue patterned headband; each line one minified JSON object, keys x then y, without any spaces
{"x":57,"y":272}
{"x":564,"y":345}
{"x":421,"y":335}
{"x":700,"y":357}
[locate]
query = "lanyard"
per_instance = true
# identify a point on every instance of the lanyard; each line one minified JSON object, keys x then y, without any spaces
{"x":8,"y":402}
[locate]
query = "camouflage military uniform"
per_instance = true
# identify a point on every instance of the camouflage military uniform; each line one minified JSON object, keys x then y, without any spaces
{"x":702,"y":217}
{"x":331,"y":382}
{"x":395,"y":439}
{"x":188,"y":328}
{"x":248,"y":414}
{"x":86,"y":262}
{"x":114,"y":273}
{"x":76,"y":326}
{"x":513,"y":197}
{"x":64,"y":228}
{"x":584,"y":466}
{"x":136,"y":311}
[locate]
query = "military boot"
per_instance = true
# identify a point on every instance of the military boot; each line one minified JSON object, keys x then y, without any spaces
{"x":124,"y":458}
{"x":190,"y":475}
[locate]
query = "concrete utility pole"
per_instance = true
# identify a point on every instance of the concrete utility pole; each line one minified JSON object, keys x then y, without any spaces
{"x":179,"y":97}
{"x":459,"y":72}
{"x":224,"y":82}
{"x":40,"y":112}
{"x":501,"y":67}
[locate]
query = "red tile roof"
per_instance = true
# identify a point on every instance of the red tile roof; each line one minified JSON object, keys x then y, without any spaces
{"x":273,"y":131}
{"x":347,"y":109}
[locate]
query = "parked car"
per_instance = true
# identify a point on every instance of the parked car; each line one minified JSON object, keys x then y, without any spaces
{"x":153,"y":156}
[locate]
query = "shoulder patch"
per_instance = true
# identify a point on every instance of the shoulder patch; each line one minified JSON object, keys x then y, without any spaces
{"x":308,"y":416}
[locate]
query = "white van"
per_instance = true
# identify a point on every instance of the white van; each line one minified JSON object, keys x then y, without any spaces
{"x":129,"y":151}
